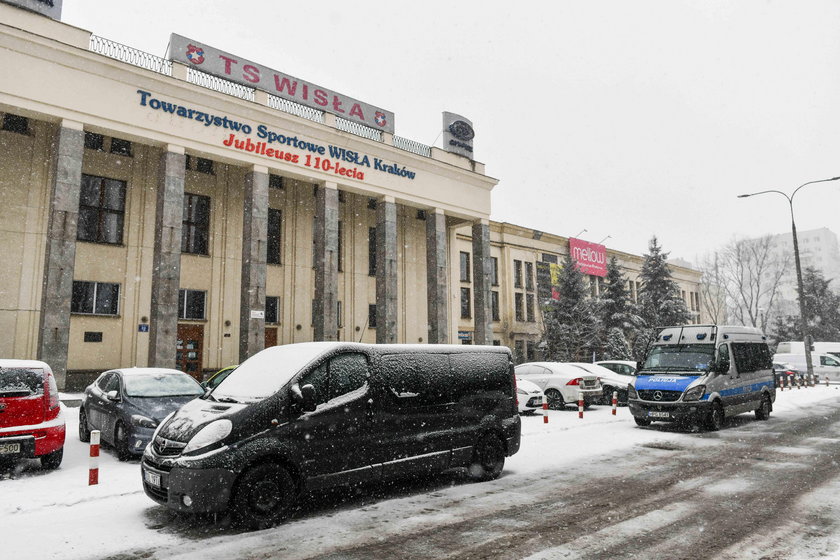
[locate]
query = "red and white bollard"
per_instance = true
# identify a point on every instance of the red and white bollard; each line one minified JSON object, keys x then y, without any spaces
{"x":799,"y":383}
{"x":545,"y":410}
{"x":93,"y":471}
{"x":580,"y":405}
{"x":614,"y":402}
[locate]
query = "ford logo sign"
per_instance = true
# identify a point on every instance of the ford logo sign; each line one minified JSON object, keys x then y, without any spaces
{"x":462,"y":131}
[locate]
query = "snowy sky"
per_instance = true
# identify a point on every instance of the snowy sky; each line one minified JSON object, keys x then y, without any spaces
{"x":623,"y":118}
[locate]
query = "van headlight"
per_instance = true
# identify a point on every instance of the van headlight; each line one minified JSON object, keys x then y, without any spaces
{"x":694,"y":393}
{"x":212,"y":433}
{"x":631,"y":392}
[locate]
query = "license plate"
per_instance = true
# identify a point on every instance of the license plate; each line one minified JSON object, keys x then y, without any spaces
{"x":9,"y":448}
{"x":657,"y":414}
{"x":153,"y":479}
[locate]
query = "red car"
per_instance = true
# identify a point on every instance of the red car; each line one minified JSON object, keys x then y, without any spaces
{"x":31,"y":422}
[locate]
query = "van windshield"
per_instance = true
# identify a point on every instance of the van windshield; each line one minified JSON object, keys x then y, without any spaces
{"x":684,"y":358}
{"x":263,"y":374}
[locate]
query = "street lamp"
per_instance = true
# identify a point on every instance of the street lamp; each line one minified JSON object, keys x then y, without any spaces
{"x":806,"y":337}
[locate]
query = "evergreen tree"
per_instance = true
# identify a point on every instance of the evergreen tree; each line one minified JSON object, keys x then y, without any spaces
{"x":571,"y":323}
{"x":822,"y":306}
{"x":617,"y":347}
{"x":617,"y":311}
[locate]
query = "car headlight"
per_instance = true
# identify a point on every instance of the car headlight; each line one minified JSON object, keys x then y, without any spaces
{"x":521,"y":391}
{"x":631,"y":392}
{"x":694,"y":393}
{"x":209,"y":434}
{"x":143,"y":421}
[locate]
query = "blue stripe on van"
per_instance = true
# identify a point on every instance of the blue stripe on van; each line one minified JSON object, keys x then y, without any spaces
{"x":747,"y":388}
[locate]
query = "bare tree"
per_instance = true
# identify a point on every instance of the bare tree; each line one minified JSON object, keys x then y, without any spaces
{"x":712,"y":293}
{"x":749,"y":272}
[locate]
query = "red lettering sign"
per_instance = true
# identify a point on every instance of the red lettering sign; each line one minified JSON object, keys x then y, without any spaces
{"x":590,"y":257}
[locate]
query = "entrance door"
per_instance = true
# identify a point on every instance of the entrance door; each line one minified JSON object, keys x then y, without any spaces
{"x":189,"y":350}
{"x":270,"y":337}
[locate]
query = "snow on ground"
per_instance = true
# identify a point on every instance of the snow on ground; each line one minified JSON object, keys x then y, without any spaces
{"x":60,"y":516}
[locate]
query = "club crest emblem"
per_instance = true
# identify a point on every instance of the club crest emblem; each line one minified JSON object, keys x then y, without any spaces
{"x":380,"y":118}
{"x":195,"y":54}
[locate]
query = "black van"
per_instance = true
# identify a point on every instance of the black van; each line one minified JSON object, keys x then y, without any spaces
{"x":307,"y":416}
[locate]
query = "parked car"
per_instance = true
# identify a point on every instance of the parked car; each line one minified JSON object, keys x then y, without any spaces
{"x":788,"y":374}
{"x":562,"y":383}
{"x":299,"y":417}
{"x":528,"y":395}
{"x":126,"y":405}
{"x":623,"y":367}
{"x":214,"y":380}
{"x":31,"y":420}
{"x":611,"y":382}
{"x":825,"y":365}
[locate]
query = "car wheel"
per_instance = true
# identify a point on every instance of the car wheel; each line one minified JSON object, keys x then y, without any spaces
{"x":263,"y":496}
{"x":763,"y":411}
{"x":121,"y":442}
{"x":488,"y":458}
{"x":84,"y":429}
{"x":714,"y":420}
{"x":641,"y":421}
{"x":555,"y":399}
{"x":51,"y":461}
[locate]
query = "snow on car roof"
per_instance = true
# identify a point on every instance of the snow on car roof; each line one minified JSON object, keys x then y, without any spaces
{"x":147,"y":371}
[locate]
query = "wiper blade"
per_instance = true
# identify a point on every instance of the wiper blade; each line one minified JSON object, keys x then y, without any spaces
{"x":226,"y":399}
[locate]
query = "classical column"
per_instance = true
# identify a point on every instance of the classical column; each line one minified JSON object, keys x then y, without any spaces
{"x":483,"y":314}
{"x":386,"y":271}
{"x":436,"y":275}
{"x":254,"y":246}
{"x":166,"y":274}
{"x":60,"y":256}
{"x":326,"y":262}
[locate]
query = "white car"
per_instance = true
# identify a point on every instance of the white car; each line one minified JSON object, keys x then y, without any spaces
{"x":529,"y":396}
{"x":562,"y":383}
{"x":610,"y":381}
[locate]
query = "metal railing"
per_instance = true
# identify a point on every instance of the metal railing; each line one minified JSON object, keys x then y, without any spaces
{"x":130,"y":55}
{"x":219,"y":84}
{"x":358,"y":129}
{"x":412,"y":146}
{"x":295,"y":109}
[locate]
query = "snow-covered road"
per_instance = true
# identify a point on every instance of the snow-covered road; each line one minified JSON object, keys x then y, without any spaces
{"x":567,"y":494}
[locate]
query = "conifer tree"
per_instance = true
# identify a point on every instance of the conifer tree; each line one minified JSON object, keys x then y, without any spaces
{"x":617,"y":311}
{"x":571,"y":323}
{"x":823,"y":308}
{"x":617,"y":347}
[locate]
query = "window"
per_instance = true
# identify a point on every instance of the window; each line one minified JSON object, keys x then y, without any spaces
{"x":196,"y":224}
{"x":204,"y":165}
{"x":191,"y":304}
{"x":465,"y":267}
{"x":372,"y":251}
{"x":272,"y":309}
{"x":94,"y":141}
{"x":16,"y":123}
{"x":531,"y":351}
{"x":529,"y":307}
{"x":518,"y":300}
{"x":95,"y":298}
{"x":275,"y":228}
{"x":275,"y":182}
{"x":101,"y":210}
{"x":529,"y":276}
{"x":343,"y":374}
{"x":494,"y":306}
{"x":549,"y":258}
{"x":120,"y":147}
{"x":372,"y":316}
{"x":465,"y":303}
{"x":829,"y":361}
{"x":519,"y":351}
{"x":751,"y":356}
{"x":517,"y":274}
{"x":494,"y":271}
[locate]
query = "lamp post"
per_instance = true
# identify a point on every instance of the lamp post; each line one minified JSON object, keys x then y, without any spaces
{"x":806,"y":338}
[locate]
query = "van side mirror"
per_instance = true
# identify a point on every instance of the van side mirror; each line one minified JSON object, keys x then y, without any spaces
{"x":639,"y":366}
{"x":721,"y":366}
{"x":304,"y":397}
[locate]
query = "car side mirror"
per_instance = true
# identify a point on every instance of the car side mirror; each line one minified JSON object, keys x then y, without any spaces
{"x":112,"y":396}
{"x":304,"y":397}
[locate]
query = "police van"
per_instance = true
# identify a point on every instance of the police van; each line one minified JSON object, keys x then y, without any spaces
{"x":700,"y":374}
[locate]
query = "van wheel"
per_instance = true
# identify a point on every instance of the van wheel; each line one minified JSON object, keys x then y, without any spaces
{"x":84,"y":429}
{"x":488,"y":458}
{"x":641,"y":421}
{"x":715,"y":418}
{"x":121,"y":442}
{"x":763,"y":411}
{"x":52,"y":460}
{"x":263,"y":496}
{"x":555,"y":399}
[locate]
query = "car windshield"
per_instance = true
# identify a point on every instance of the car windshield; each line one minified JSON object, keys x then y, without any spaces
{"x":21,"y":382}
{"x":263,"y":374}
{"x":161,"y":385}
{"x":683,"y":358}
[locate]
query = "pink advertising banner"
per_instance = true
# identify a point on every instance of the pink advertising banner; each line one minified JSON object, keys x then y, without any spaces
{"x":590,"y":257}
